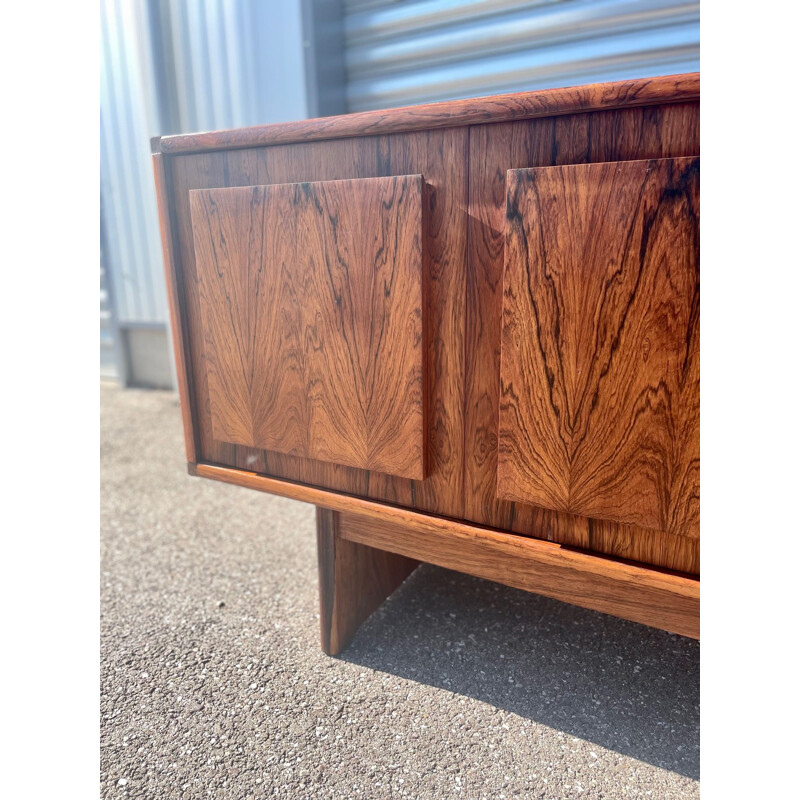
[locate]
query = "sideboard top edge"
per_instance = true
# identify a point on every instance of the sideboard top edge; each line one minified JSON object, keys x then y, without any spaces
{"x":452,"y":113}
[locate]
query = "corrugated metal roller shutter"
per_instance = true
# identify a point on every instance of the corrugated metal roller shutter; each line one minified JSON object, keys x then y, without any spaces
{"x":401,"y":53}
{"x":235,"y":62}
{"x":133,"y":256}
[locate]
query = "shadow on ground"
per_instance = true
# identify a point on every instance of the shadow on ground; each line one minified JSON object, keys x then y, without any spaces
{"x":624,"y":686}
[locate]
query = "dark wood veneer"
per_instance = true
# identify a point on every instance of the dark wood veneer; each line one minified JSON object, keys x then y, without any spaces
{"x":180,"y":330}
{"x":619,"y":135}
{"x":354,"y":579}
{"x":450,"y":470}
{"x":600,"y":368}
{"x":311,"y":304}
{"x":440,"y":156}
{"x":500,"y":108}
{"x":660,"y":599}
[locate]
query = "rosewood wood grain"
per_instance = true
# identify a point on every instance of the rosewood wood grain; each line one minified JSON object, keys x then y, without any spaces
{"x":462,"y":478}
{"x":311,"y":300}
{"x":623,"y":134}
{"x":354,"y":579}
{"x":464,"y":149}
{"x":660,"y":599}
{"x":600,"y":400}
{"x":500,"y":108}
{"x":441,"y":157}
{"x":178,"y":327}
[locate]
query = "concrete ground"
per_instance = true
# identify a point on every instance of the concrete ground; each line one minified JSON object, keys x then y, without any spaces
{"x":213,"y":683}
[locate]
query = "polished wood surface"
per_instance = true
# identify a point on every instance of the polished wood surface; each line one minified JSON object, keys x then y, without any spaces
{"x":619,"y":135}
{"x":663,"y":600}
{"x":464,"y":150}
{"x":354,"y":579}
{"x":312,"y":310}
{"x":178,"y":326}
{"x":600,"y":367}
{"x":440,"y":156}
{"x":463,"y":349}
{"x":500,"y":108}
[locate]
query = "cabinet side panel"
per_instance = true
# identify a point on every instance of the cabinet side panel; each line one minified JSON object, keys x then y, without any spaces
{"x":174,"y":284}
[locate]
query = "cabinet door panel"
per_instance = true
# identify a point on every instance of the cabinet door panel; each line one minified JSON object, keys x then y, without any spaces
{"x":440,"y":156}
{"x":599,"y":398}
{"x":311,"y":302}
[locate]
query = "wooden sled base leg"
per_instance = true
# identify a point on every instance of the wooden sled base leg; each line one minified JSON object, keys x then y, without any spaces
{"x":354,"y":580}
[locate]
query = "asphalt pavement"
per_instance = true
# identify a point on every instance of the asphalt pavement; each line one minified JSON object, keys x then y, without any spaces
{"x":213,"y":684}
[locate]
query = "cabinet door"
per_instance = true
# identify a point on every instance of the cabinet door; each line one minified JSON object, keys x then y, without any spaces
{"x":599,"y":395}
{"x":311,"y":302}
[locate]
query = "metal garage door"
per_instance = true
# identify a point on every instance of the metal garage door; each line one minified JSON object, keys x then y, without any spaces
{"x":401,"y":53}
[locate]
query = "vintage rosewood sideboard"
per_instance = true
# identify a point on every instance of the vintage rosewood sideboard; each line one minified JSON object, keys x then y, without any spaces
{"x":468,"y":332}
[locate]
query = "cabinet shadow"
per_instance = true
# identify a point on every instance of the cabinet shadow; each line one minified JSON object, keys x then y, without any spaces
{"x":623,"y":686}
